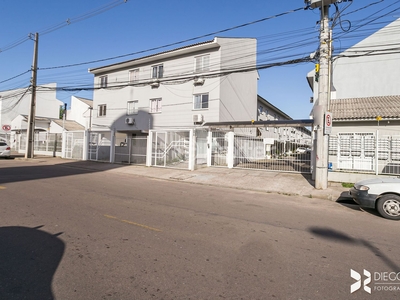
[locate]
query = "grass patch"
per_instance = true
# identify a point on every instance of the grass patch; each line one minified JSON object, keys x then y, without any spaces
{"x":347,"y":184}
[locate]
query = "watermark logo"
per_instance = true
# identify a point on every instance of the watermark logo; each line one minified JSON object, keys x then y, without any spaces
{"x":382,"y":281}
{"x":357,"y":285}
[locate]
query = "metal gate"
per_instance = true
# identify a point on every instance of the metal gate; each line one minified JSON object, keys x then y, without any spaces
{"x":74,"y":144}
{"x":254,"y":150}
{"x":99,"y":147}
{"x":389,"y":154}
{"x":45,"y":143}
{"x":131,"y":150}
{"x":170,"y":149}
{"x":356,"y":151}
{"x":219,"y":148}
{"x":365,"y":152}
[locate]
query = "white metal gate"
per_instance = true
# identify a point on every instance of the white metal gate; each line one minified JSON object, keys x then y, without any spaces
{"x":389,"y":154}
{"x":131,"y":150}
{"x":219,"y":148}
{"x":356,"y":151}
{"x":74,"y":144}
{"x":99,"y":147}
{"x":251,"y":150}
{"x":365,"y":152}
{"x":170,"y":149}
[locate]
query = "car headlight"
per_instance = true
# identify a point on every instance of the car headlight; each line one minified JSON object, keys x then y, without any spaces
{"x":363,"y":188}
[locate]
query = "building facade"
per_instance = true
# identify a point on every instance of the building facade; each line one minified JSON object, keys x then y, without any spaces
{"x":181,"y":88}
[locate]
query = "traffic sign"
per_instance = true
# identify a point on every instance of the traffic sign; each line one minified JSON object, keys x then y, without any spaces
{"x":6,"y":127}
{"x":328,"y":123}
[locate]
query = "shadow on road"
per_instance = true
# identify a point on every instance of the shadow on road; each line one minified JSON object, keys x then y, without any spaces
{"x":29,"y":258}
{"x":37,"y":171}
{"x":334,"y":235}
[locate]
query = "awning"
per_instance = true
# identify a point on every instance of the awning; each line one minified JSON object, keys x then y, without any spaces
{"x":253,"y":124}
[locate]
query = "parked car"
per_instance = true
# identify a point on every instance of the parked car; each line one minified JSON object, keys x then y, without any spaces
{"x":382,"y":194}
{"x":302,"y":150}
{"x":5,"y":150}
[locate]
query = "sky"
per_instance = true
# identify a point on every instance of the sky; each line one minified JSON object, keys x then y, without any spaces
{"x":86,"y":34}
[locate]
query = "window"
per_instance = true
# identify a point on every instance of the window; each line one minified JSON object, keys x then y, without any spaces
{"x":155,"y":105}
{"x":134,"y":75}
{"x":202,"y":63}
{"x":103,"y":81}
{"x":132,"y":107}
{"x":101,"y":110}
{"x":200,"y":101}
{"x":157,"y":71}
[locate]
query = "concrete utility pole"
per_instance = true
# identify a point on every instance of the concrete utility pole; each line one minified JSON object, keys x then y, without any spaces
{"x":321,"y":161}
{"x":31,"y":118}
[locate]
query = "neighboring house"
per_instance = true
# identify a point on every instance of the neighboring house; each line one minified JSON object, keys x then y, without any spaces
{"x":370,"y":68}
{"x":268,"y":112}
{"x":47,"y":129}
{"x":365,"y":105}
{"x":81,"y":111}
{"x":211,"y":81}
{"x":17,"y":102}
{"x":15,"y":108}
{"x":366,"y":134}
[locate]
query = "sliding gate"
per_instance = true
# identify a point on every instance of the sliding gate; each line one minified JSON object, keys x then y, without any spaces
{"x":244,"y":149}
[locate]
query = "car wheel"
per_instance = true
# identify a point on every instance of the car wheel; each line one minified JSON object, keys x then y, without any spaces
{"x":388,"y":206}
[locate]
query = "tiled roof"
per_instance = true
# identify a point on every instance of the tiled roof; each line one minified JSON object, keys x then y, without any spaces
{"x":69,"y":125}
{"x":88,"y":102}
{"x":369,"y":108}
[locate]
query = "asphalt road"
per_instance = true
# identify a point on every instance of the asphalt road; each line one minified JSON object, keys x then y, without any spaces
{"x":70,"y":233}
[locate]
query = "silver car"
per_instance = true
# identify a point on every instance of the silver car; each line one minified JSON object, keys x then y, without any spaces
{"x":5,"y":150}
{"x":382,"y":194}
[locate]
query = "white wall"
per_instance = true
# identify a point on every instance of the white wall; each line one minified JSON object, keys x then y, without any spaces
{"x":231,"y":97}
{"x":238,"y":90}
{"x":370,"y":74}
{"x":79,"y":112}
{"x":47,"y":104}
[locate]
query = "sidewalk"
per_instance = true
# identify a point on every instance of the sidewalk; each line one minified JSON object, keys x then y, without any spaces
{"x":257,"y":180}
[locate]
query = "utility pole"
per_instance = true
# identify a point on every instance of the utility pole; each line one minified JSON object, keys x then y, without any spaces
{"x":31,"y":118}
{"x":321,"y":161}
{"x":321,"y":115}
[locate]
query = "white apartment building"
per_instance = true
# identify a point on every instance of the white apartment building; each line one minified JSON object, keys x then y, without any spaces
{"x":211,"y":81}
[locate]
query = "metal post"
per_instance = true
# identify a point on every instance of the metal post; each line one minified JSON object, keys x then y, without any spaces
{"x":321,"y":172}
{"x":31,"y":117}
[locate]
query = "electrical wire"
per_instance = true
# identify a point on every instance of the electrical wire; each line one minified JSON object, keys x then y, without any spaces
{"x":68,"y":22}
{"x":265,"y":60}
{"x":176,"y":43}
{"x":15,"y":76}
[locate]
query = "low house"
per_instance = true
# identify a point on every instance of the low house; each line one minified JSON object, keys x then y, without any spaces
{"x":366,"y":134}
{"x":15,"y":108}
{"x":80,"y":111}
{"x":365,"y":105}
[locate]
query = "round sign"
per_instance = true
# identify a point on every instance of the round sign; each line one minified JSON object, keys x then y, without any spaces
{"x":6,"y":127}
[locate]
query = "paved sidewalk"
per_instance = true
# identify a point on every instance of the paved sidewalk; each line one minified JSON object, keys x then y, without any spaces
{"x":256,"y":180}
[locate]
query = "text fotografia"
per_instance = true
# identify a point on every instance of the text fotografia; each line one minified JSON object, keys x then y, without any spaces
{"x":387,"y":281}
{"x":382,"y":281}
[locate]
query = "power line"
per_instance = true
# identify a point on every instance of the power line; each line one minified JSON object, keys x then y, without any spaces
{"x":15,"y":76}
{"x":176,"y":43}
{"x":65,"y":23}
{"x":260,"y":55}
